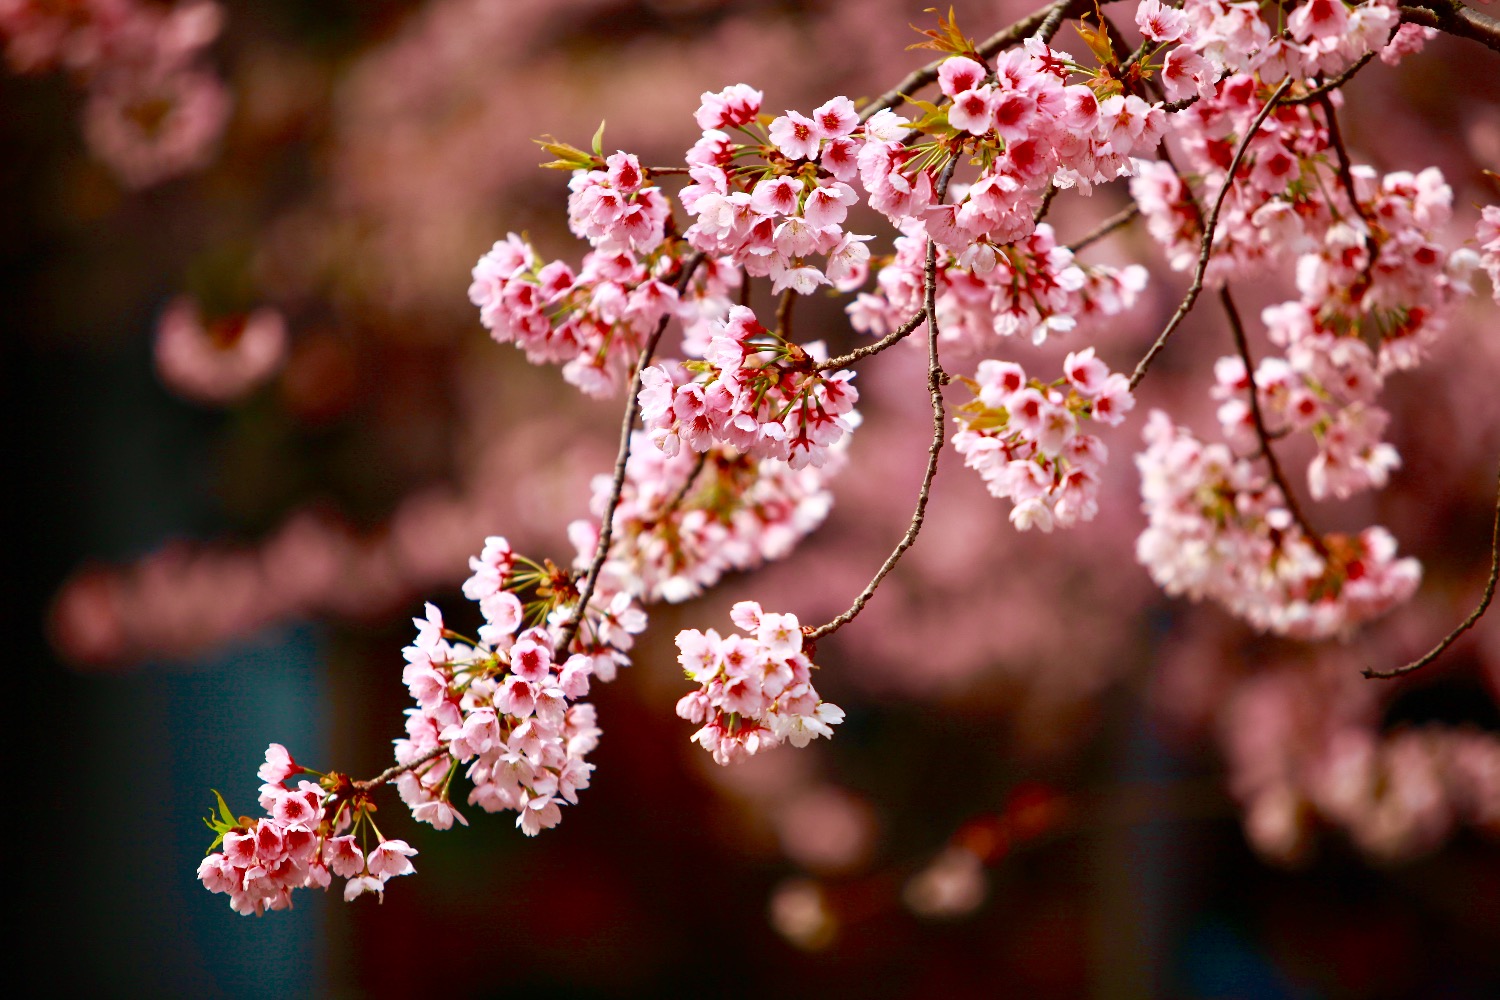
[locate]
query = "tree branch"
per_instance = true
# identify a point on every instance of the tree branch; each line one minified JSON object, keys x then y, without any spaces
{"x":1206,"y":248}
{"x":936,"y":377}
{"x":627,"y":426}
{"x":1454,"y":18}
{"x":1243,"y":347}
{"x":1117,"y":221}
{"x":860,"y":353}
{"x":396,"y":770}
{"x":1467,"y":623}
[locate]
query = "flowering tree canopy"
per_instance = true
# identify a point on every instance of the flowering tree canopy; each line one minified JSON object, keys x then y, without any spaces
{"x":957,"y":218}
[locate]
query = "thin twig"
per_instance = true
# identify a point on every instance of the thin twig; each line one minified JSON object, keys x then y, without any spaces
{"x":396,"y":770}
{"x":936,"y":378}
{"x":1041,"y":210}
{"x":1336,"y":139}
{"x":1242,"y":345}
{"x":627,"y":427}
{"x":1117,"y":221}
{"x":860,"y":353}
{"x":1206,"y":248}
{"x":1329,"y":86}
{"x":1467,"y":623}
{"x":687,"y":484}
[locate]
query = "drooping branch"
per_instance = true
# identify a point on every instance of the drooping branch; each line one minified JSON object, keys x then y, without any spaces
{"x":1329,"y":86}
{"x":1467,"y":623}
{"x":1242,"y":346}
{"x":936,"y":378}
{"x":1205,"y":249}
{"x":627,"y":427}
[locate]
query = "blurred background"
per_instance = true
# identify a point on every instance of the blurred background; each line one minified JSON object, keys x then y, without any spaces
{"x":256,"y":423}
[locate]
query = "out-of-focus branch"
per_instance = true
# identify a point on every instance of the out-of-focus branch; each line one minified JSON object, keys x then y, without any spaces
{"x":1206,"y":248}
{"x":1242,"y":345}
{"x":627,"y":426}
{"x":1117,"y":221}
{"x":1467,"y":623}
{"x":936,"y":378}
{"x":1454,"y":18}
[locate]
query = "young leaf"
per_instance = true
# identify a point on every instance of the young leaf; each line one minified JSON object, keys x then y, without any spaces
{"x":599,"y":141}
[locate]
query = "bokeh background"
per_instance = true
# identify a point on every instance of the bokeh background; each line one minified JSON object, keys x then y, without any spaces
{"x":1053,"y":781}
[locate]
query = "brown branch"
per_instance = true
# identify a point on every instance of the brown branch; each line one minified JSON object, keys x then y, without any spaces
{"x":936,"y":378}
{"x":1454,"y":18}
{"x":1206,"y":248}
{"x":1041,"y":210}
{"x":784,"y":313}
{"x":1329,"y":86}
{"x":1336,"y":138}
{"x":627,"y":426}
{"x":1242,"y":345}
{"x":396,"y":770}
{"x":1467,"y":623}
{"x":859,"y":353}
{"x":1117,"y":221}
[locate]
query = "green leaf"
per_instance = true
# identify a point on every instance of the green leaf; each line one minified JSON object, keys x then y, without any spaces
{"x":599,"y":141}
{"x":229,"y":818}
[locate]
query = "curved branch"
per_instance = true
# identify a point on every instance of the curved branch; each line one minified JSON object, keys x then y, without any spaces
{"x":396,"y":770}
{"x":936,"y":378}
{"x":895,"y":336}
{"x":1206,"y":248}
{"x":627,"y":426}
{"x":1242,"y":346}
{"x":1467,"y":623}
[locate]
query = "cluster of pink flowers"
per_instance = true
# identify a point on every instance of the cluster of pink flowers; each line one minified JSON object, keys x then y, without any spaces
{"x":756,"y":691}
{"x":686,"y":519}
{"x":221,"y":361}
{"x":1220,"y":528}
{"x":615,"y":210}
{"x":1031,"y":287}
{"x":298,"y":844}
{"x":594,"y":321}
{"x":758,"y":393}
{"x":505,"y":702}
{"x":1488,"y":235}
{"x":1295,"y":764}
{"x":1021,"y":435}
{"x":772,"y":218}
{"x":154,"y":110}
{"x":1388,"y":283}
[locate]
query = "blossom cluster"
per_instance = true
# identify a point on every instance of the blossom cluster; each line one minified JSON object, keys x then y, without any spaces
{"x":1220,"y":528}
{"x":508,"y":702}
{"x":756,"y":691}
{"x":755,"y":391}
{"x":1021,"y":435}
{"x":684,"y":520}
{"x":218,"y":361}
{"x":299,"y":844}
{"x":154,"y":109}
{"x":593,"y":321}
{"x":1032,"y":287}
